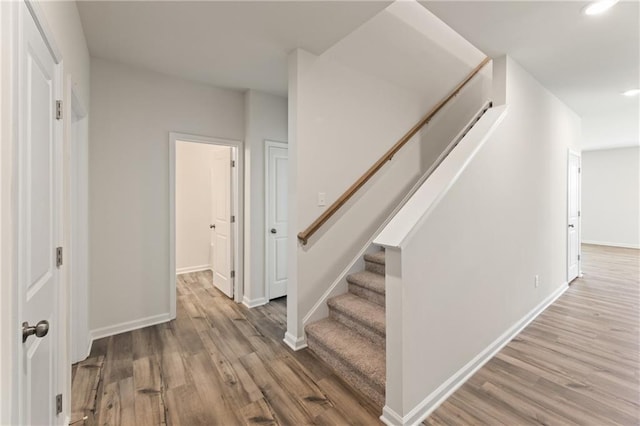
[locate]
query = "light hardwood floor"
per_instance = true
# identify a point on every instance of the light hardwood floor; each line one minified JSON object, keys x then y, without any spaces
{"x":219,"y":363}
{"x":577,"y":363}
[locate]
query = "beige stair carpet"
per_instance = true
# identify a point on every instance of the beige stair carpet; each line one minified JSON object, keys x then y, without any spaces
{"x":352,"y":339}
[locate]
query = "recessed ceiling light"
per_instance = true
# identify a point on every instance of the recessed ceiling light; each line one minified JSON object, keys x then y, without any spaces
{"x":598,"y":7}
{"x":632,"y":92}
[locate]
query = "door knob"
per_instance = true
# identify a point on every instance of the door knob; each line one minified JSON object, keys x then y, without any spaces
{"x":571,"y":225}
{"x":40,"y":329}
{"x":273,"y":230}
{"x":212,"y":227}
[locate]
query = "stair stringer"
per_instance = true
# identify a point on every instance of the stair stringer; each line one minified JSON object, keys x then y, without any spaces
{"x":320,"y":309}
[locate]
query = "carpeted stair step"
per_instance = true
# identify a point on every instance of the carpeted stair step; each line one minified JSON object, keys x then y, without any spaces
{"x":367,"y":285}
{"x":364,"y":317}
{"x":374,"y":262}
{"x":356,"y":359}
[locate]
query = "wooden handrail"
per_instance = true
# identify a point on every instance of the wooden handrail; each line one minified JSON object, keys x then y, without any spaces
{"x":333,"y":208}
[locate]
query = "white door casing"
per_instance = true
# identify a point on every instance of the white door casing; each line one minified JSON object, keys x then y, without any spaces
{"x":77,"y":252}
{"x":573,"y":213}
{"x":276,"y":180}
{"x":39,"y":189}
{"x":222,"y":233}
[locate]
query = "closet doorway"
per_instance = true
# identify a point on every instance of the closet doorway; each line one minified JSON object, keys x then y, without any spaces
{"x":204,"y":210}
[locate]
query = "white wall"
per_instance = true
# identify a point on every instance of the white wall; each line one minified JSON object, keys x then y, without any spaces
{"x":133,"y":112}
{"x":63,"y":22}
{"x":347,"y":107}
{"x":612,"y":129}
{"x":193,"y":205}
{"x":265,"y":119}
{"x":464,"y":276}
{"x":611,"y":197}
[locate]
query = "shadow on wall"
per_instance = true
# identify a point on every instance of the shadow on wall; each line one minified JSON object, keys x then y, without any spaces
{"x":441,"y":131}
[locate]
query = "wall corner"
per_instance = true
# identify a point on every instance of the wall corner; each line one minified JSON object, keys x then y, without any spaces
{"x":499,"y":90}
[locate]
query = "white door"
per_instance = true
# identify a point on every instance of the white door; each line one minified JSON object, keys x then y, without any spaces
{"x":38,"y":224}
{"x":276,"y":170}
{"x":212,"y":225}
{"x":573,"y":220}
{"x":222,"y":226}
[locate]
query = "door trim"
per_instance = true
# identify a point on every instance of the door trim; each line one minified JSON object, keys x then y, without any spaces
{"x":78,"y":203}
{"x":38,"y":16}
{"x":268,"y":144}
{"x":237,"y":206}
{"x":8,"y":211}
{"x":573,"y":153}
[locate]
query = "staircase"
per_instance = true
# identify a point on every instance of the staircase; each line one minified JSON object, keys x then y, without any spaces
{"x":352,"y":339}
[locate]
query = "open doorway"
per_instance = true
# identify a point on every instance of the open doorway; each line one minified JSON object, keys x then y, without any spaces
{"x":204,"y":216}
{"x":204,"y":203}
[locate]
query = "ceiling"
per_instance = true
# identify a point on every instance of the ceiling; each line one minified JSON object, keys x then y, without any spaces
{"x":587,"y":61}
{"x":234,"y":44}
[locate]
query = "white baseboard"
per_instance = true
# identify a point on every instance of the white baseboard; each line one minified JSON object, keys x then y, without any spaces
{"x":83,"y":354}
{"x":437,"y":397}
{"x":112,"y":330}
{"x":390,"y":417}
{"x":189,"y":269}
{"x":295,"y":343}
{"x":253,"y":303}
{"x":89,"y":345}
{"x":604,"y":243}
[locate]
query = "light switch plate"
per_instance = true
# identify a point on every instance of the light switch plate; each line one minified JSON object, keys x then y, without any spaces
{"x":322,"y":199}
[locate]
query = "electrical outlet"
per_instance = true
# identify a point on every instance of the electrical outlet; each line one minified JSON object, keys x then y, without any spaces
{"x":536,"y":281}
{"x":322,"y":199}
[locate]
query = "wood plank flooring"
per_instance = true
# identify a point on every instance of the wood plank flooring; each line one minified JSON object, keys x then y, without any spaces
{"x":577,"y":363}
{"x":219,"y":363}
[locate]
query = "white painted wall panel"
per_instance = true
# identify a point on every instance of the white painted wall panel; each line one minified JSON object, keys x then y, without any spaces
{"x":611,"y":197}
{"x":465,"y":275}
{"x":265,"y":119}
{"x":133,"y":112}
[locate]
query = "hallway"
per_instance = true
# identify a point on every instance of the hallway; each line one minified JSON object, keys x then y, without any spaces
{"x":221,"y":363}
{"x":577,"y":363}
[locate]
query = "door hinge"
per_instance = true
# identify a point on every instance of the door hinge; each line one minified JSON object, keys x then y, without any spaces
{"x":233,"y":163}
{"x":578,"y":257}
{"x":578,"y":213}
{"x":58,"y":110}
{"x":58,"y":257}
{"x":233,"y":274}
{"x":58,"y":403}
{"x":579,"y":169}
{"x":233,"y":219}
